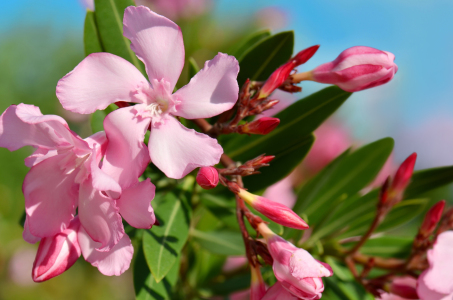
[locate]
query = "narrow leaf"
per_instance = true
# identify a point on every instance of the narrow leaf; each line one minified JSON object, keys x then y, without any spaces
{"x":242,"y":47}
{"x":224,"y":242}
{"x":193,"y":67}
{"x":427,"y":180}
{"x":162,"y":244}
{"x":91,"y":39}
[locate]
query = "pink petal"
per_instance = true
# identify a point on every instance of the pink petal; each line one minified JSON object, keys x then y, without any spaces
{"x":24,"y":125}
{"x":211,"y":91}
{"x":303,"y":265}
{"x":98,"y":81}
{"x":38,"y":156}
{"x":126,"y":156}
{"x":99,"y":216}
{"x":439,"y":276}
{"x":114,"y":262}
{"x":176,"y":150}
{"x":56,"y":254}
{"x":26,"y":234}
{"x":99,"y":140}
{"x":278,"y":292}
{"x":50,"y":197}
{"x":101,"y":181}
{"x":156,"y":41}
{"x":135,"y":204}
{"x":426,"y":293}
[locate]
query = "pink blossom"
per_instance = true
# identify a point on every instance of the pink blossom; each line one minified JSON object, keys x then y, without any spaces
{"x":177,"y":9}
{"x":401,"y":288}
{"x":278,"y":292}
{"x":233,"y":263}
{"x":257,"y":285}
{"x":436,"y":282}
{"x":296,"y":270}
{"x":357,"y":68}
{"x":88,"y":4}
{"x":103,"y":78}
{"x":208,"y":177}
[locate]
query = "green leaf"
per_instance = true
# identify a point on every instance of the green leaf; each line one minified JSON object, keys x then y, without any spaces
{"x":427,"y":180}
{"x":193,"y":67}
{"x":223,"y":242}
{"x":230,"y":285}
{"x":91,"y":39}
{"x":291,"y":140}
{"x":162,"y":244}
{"x":352,"y":174}
{"x":388,"y":246}
{"x":261,"y":60}
{"x":242,"y":47}
{"x":109,"y":20}
{"x":146,"y":287}
{"x":401,"y":214}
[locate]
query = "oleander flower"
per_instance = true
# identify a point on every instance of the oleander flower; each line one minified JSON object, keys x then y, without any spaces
{"x":103,"y":78}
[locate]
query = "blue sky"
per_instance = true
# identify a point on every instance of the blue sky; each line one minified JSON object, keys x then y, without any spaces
{"x":418,"y":32}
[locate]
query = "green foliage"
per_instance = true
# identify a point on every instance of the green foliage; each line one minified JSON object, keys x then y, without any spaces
{"x":247,"y":43}
{"x":109,"y":20}
{"x":426,"y":180}
{"x":91,"y":39}
{"x":162,"y":244}
{"x":224,"y":242}
{"x":291,"y":140}
{"x":259,"y":61}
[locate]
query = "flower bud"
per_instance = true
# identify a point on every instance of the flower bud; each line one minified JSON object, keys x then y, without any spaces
{"x":275,"y":211}
{"x":432,"y":217}
{"x":56,"y":254}
{"x":263,"y":125}
{"x":404,"y":174}
{"x":296,"y":270}
{"x":404,"y":287}
{"x":257,"y":286}
{"x":282,"y":73}
{"x":278,"y":292}
{"x":208,"y":177}
{"x":357,"y":68}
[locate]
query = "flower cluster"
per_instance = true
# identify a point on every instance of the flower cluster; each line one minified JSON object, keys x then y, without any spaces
{"x":78,"y":191}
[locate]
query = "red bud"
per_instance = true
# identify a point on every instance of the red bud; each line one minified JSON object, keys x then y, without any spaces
{"x":432,"y":217}
{"x":208,"y":177}
{"x":404,"y":174}
{"x":263,"y":125}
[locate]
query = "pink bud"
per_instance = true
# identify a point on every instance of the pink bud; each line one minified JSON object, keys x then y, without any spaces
{"x":275,"y":211}
{"x":56,"y":254}
{"x":278,"y":292}
{"x":357,"y":68}
{"x":257,"y":286}
{"x":432,"y":217}
{"x":404,"y":174}
{"x":296,"y":270}
{"x":282,"y":73}
{"x":404,"y":287}
{"x":208,"y":177}
{"x":263,"y":125}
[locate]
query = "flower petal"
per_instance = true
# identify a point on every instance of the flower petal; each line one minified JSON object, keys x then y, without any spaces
{"x":56,"y":254}
{"x":99,"y":216}
{"x":26,"y":234}
{"x":426,"y":293}
{"x":135,"y":204}
{"x":156,"y":41}
{"x":176,"y":150}
{"x":98,"y":81}
{"x":439,"y":276}
{"x":24,"y":125}
{"x":303,"y":265}
{"x":211,"y":91}
{"x":278,"y":292}
{"x":38,"y":156}
{"x":114,"y":262}
{"x":126,"y":156}
{"x":50,"y":197}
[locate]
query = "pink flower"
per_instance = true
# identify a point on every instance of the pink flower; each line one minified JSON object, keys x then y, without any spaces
{"x":357,"y":68}
{"x":401,"y":288}
{"x":436,"y":282}
{"x":275,"y":211}
{"x":257,"y":286}
{"x":103,"y":78}
{"x":278,"y":292}
{"x":296,"y":270}
{"x":88,"y":4}
{"x":208,"y":177}
{"x":177,"y":9}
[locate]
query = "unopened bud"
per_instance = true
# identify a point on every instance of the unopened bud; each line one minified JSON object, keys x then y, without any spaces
{"x":282,"y":73}
{"x":384,"y":192}
{"x":208,"y":177}
{"x":357,"y":68}
{"x":257,"y":286}
{"x":404,"y":287}
{"x":263,"y":125}
{"x":57,"y":253}
{"x":275,"y":211}
{"x":404,"y":174}
{"x":432,"y":218}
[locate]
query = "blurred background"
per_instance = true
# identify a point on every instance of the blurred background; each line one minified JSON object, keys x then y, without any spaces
{"x":40,"y":41}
